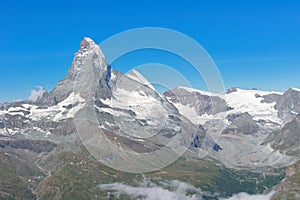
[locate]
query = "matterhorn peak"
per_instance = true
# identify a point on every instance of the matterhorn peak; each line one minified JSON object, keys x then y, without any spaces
{"x":89,"y":61}
{"x":88,"y":46}
{"x":86,"y":43}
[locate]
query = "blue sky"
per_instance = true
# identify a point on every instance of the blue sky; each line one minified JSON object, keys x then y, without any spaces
{"x":255,"y":44}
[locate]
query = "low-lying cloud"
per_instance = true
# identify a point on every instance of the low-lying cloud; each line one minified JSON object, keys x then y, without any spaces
{"x":147,"y":190}
{"x":170,"y":190}
{"x":243,"y":196}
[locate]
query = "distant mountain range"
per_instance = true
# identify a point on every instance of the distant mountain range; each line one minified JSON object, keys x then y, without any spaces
{"x":250,"y":132}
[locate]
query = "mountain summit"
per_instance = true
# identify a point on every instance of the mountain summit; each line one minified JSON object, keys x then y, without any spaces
{"x":89,"y":59}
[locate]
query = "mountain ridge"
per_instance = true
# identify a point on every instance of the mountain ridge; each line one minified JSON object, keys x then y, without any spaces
{"x":236,"y":130}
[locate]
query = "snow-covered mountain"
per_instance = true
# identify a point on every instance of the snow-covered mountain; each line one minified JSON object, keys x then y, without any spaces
{"x":128,"y":106}
{"x":129,"y":112}
{"x":273,"y":107}
{"x":247,"y":133}
{"x":244,"y":122}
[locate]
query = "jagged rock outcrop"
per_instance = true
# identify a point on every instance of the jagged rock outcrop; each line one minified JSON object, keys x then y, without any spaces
{"x":270,"y":98}
{"x":290,"y":187}
{"x":288,"y":138}
{"x":241,"y":123}
{"x":289,"y":104}
{"x":89,"y":54}
{"x":202,"y":103}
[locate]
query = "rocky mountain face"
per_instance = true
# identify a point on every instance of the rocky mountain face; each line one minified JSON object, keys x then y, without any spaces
{"x":290,"y":187}
{"x":287,"y":139}
{"x":202,"y":103}
{"x":125,"y":104}
{"x":288,"y":105}
{"x":252,"y":130}
{"x":261,"y":126}
{"x":241,"y":123}
{"x":89,"y":54}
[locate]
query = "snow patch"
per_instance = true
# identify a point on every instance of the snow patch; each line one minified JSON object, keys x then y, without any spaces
{"x":192,"y":115}
{"x":137,"y":76}
{"x":251,"y":101}
{"x":109,"y":124}
{"x":207,"y":93}
{"x":269,"y":148}
{"x":16,"y":113}
{"x":59,"y":111}
{"x":111,"y":111}
{"x":241,"y":101}
{"x":144,"y":106}
{"x":296,"y":89}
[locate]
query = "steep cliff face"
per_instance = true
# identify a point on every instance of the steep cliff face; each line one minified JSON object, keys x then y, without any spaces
{"x":289,"y":104}
{"x":89,"y":59}
{"x":287,"y":139}
{"x":290,"y":187}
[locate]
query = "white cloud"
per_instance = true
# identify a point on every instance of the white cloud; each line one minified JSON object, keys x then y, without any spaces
{"x":37,"y":94}
{"x":170,"y":190}
{"x":147,"y":190}
{"x":243,"y":195}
